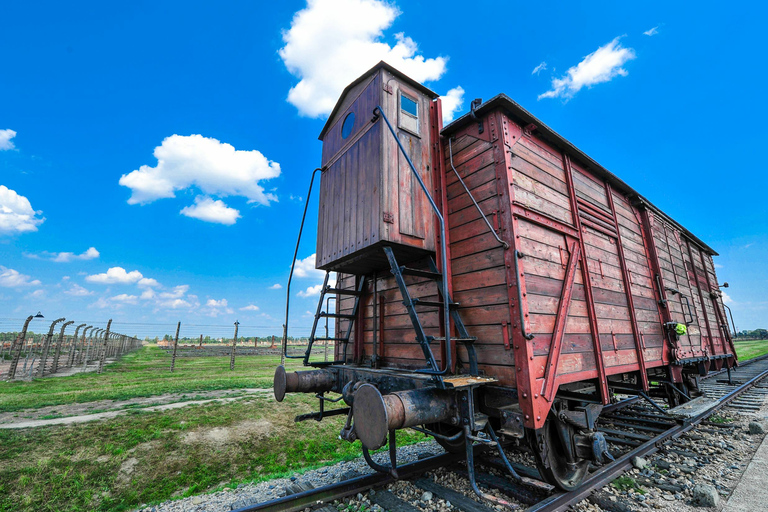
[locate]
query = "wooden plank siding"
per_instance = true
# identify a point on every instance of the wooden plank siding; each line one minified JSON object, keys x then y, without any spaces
{"x":613,"y":323}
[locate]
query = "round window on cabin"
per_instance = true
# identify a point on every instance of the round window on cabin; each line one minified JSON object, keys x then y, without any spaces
{"x":349,"y":122}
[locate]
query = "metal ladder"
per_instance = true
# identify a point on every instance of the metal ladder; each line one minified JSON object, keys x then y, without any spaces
{"x":319,"y":314}
{"x":410,"y":304}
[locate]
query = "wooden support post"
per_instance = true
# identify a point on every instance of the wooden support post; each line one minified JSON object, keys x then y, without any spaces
{"x":104,"y":348}
{"x":201,"y":342}
{"x":234,"y":344}
{"x":175,"y":346}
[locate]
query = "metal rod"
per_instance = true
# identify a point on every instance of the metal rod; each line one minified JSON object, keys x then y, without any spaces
{"x":487,"y":222}
{"x":284,"y":353}
{"x":443,"y":248}
{"x":527,"y":336}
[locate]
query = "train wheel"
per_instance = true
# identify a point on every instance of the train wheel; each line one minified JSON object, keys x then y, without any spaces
{"x":552,"y":455}
{"x":451,"y":446}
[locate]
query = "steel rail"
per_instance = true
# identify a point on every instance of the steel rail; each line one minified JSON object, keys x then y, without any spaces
{"x":613,"y":470}
{"x":300,"y":501}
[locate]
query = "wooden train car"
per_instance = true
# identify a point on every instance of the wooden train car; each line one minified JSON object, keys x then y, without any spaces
{"x":559,"y":284}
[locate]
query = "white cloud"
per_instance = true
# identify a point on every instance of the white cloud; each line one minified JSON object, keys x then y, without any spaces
{"x":177,"y":293}
{"x":208,"y":210}
{"x":89,"y":254}
{"x":116,"y":275}
{"x":147,"y":282}
{"x":37,"y":294}
{"x":538,"y":69}
{"x":249,"y":307}
{"x":78,"y":291}
{"x":312,"y":291}
{"x":214,"y":308}
{"x":717,"y":265}
{"x":16,"y":213}
{"x":125,"y":298}
{"x":10,"y":278}
{"x":332,"y":42}
{"x":65,"y":257}
{"x":727,"y":298}
{"x":5,"y":140}
{"x":206,"y":163}
{"x":276,"y":286}
{"x":148,"y":294}
{"x":652,"y":32}
{"x":315,"y":290}
{"x":452,"y":103}
{"x":306,"y":268}
{"x":602,"y":65}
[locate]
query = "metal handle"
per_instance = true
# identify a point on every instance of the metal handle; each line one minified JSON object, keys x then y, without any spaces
{"x":527,"y":336}
{"x":688,"y":305}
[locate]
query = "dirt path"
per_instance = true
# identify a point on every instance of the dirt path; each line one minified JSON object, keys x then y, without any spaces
{"x":104,"y":409}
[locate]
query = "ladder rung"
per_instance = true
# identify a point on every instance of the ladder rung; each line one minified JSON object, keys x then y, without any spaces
{"x":471,"y":339}
{"x":420,"y":273}
{"x":432,"y":303}
{"x":342,"y":291}
{"x":336,"y":315}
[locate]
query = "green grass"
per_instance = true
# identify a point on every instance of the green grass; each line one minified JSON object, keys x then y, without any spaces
{"x":625,"y":483}
{"x":750,"y":349}
{"x":177,"y":453}
{"x":141,"y":374}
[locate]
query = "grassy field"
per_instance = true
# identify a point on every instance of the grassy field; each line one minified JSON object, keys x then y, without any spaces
{"x":751,"y":349}
{"x":140,"y":374}
{"x":148,"y":457}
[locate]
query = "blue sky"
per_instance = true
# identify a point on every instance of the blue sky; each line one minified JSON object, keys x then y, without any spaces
{"x":232,"y":95}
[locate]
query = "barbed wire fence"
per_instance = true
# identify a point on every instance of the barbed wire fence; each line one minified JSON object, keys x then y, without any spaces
{"x":35,"y":347}
{"x":26,"y":354}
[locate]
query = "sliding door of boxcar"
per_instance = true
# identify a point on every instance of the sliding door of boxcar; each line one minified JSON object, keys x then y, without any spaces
{"x":683,"y":299}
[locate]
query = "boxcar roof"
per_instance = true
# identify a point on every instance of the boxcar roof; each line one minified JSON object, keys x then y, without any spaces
{"x":381,"y":65}
{"x":519,"y":114}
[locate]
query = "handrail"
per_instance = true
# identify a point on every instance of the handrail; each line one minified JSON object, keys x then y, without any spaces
{"x":443,"y":250}
{"x":730,"y":313}
{"x":284,"y":352}
{"x":498,"y":239}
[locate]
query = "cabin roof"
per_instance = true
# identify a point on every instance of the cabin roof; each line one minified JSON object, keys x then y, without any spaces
{"x":381,"y":65}
{"x":524,"y":118}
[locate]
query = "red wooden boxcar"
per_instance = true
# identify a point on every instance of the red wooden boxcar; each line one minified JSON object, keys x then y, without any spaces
{"x":563,"y":285}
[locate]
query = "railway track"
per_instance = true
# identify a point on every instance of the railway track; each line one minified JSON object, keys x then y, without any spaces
{"x":632,"y":427}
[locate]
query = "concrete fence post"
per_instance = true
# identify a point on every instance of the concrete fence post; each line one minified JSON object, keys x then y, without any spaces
{"x":57,"y":354}
{"x":104,"y":348}
{"x":73,"y":348}
{"x":16,"y":348}
{"x":234,"y":344}
{"x":83,"y":346}
{"x":46,"y":347}
{"x":175,"y":346}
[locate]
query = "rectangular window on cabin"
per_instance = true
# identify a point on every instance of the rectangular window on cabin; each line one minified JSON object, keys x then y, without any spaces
{"x":409,"y":114}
